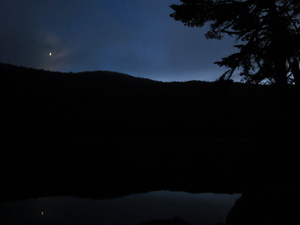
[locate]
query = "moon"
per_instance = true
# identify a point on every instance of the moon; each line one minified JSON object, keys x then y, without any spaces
{"x":50,"y":53}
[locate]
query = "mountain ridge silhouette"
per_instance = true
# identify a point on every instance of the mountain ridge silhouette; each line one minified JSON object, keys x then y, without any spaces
{"x":62,"y":130}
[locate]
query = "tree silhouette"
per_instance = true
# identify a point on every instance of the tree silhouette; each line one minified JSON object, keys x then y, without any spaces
{"x":267,"y":33}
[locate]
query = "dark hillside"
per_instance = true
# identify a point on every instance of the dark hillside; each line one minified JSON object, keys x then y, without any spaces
{"x":83,"y":133}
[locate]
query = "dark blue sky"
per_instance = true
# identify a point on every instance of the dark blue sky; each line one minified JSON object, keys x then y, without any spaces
{"x":136,"y":37}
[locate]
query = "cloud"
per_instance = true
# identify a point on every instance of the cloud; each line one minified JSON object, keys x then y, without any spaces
{"x":134,"y":36}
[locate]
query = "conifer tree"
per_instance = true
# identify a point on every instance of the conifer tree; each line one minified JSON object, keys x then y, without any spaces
{"x":267,"y":33}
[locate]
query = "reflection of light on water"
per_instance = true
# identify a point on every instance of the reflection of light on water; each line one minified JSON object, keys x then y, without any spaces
{"x":128,"y":210}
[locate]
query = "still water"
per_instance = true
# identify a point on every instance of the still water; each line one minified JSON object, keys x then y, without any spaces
{"x":196,"y":209}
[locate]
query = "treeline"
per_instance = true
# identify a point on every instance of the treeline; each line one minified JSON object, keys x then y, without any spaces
{"x":118,"y":101}
{"x":65,"y":132}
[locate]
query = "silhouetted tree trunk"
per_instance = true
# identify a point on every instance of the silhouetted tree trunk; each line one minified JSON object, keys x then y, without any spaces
{"x":277,"y":55}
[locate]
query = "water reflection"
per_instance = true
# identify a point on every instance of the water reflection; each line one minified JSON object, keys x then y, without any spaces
{"x":196,"y":209}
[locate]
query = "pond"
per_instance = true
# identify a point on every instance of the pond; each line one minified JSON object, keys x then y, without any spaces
{"x":196,"y":209}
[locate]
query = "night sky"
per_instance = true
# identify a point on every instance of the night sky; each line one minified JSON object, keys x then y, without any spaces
{"x":137,"y":37}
